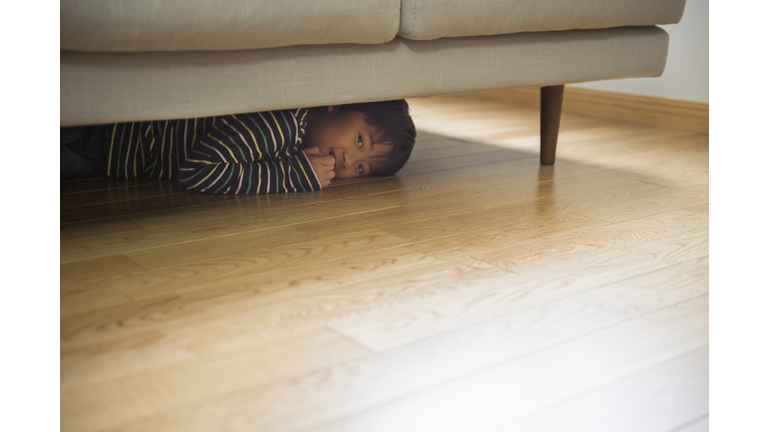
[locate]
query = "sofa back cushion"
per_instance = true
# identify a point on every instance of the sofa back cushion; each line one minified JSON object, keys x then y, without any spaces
{"x":186,"y":25}
{"x":433,"y":19}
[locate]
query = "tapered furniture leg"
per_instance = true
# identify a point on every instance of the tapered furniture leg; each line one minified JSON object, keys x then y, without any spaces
{"x":551,"y":107}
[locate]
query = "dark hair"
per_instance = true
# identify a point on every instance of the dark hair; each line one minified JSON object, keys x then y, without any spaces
{"x":396,"y":129}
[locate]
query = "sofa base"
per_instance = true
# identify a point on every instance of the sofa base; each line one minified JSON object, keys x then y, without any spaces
{"x":111,"y":87}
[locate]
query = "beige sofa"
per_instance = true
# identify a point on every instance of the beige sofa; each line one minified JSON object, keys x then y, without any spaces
{"x":125,"y":60}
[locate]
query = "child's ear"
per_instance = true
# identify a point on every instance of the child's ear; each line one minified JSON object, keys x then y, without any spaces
{"x":333,"y":108}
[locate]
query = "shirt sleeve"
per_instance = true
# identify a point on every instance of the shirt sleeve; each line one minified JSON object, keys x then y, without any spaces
{"x":254,"y":153}
{"x":130,"y":149}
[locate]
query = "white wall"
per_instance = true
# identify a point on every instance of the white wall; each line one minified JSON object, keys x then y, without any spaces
{"x":686,"y":76}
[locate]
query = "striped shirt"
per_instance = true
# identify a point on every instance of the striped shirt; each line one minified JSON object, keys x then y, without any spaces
{"x":251,"y":153}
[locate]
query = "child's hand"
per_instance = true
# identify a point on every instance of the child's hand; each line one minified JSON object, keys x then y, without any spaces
{"x":322,"y":164}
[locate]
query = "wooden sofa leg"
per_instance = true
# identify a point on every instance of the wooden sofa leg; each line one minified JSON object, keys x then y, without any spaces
{"x":551,"y":107}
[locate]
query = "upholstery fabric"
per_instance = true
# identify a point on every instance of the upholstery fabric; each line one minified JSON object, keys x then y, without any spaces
{"x":110,"y":87}
{"x":432,"y":19}
{"x":185,"y":25}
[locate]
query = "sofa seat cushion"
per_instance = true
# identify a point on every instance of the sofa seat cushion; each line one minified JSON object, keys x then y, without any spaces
{"x":433,"y":19}
{"x":109,"y":87}
{"x":187,"y":25}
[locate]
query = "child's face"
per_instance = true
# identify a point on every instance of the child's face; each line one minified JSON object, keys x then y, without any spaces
{"x":349,"y":139}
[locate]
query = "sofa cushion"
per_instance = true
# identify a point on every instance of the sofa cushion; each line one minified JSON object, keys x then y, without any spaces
{"x":432,"y":19}
{"x":184,"y":25}
{"x":108,"y":87}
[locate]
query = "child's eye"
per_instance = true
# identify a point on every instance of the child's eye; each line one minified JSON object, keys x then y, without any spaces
{"x":359,"y":141}
{"x":359,"y":169}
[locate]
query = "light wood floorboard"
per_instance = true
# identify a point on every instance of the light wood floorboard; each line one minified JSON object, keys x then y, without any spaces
{"x":474,"y":291}
{"x":492,"y":395}
{"x":638,"y":403}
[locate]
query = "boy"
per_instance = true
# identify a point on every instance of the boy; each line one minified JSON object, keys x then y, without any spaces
{"x":252,"y":153}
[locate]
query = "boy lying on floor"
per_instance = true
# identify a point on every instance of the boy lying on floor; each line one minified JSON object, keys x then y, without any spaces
{"x":254,"y":153}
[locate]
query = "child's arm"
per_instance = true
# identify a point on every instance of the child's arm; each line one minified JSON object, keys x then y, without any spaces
{"x":255,"y":153}
{"x":261,"y":177}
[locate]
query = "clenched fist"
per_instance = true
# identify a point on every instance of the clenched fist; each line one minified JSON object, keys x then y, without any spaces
{"x":322,"y":164}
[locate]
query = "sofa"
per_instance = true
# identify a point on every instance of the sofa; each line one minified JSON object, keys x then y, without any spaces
{"x":129,"y":60}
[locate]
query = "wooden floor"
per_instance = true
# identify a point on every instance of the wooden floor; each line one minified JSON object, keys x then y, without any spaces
{"x":474,"y":291}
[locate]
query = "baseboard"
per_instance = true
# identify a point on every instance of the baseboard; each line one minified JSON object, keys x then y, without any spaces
{"x":693,"y":116}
